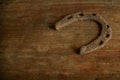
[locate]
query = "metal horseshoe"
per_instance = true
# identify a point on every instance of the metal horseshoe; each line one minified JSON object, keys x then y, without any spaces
{"x":102,"y":39}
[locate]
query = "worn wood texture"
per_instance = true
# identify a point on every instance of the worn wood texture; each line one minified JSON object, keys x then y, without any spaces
{"x":31,"y":49}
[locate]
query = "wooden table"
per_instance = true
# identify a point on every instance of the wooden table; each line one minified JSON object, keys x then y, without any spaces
{"x":31,"y":49}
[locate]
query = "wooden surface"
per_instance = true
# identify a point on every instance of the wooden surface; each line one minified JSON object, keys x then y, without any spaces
{"x":30,"y":48}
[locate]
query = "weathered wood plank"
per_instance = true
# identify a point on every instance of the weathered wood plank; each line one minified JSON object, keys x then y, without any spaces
{"x":32,"y":50}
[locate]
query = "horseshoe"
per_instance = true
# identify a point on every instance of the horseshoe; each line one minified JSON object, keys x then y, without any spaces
{"x":102,"y":39}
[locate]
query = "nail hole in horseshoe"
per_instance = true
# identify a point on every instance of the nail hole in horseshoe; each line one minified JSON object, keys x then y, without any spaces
{"x":94,"y":14}
{"x":108,"y":26}
{"x":101,"y":42}
{"x":81,"y":14}
{"x":108,"y":35}
{"x":69,"y":17}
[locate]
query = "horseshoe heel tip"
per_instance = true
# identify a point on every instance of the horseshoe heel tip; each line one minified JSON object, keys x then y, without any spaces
{"x":102,"y":39}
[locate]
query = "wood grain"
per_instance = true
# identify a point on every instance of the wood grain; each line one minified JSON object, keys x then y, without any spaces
{"x":31,"y":49}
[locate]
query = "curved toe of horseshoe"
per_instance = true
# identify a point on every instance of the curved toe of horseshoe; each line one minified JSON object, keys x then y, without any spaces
{"x":105,"y":35}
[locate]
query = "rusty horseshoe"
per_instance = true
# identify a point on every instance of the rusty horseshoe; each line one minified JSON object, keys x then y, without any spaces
{"x":103,"y":37}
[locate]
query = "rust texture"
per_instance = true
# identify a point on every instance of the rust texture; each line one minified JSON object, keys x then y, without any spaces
{"x":31,"y":49}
